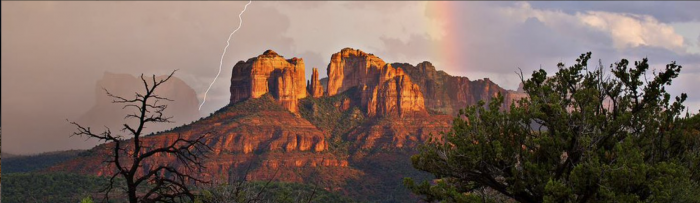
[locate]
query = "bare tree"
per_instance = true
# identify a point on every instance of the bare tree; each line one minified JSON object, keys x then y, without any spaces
{"x":159,"y":182}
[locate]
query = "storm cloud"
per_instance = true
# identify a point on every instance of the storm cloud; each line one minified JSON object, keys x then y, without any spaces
{"x":54,"y":52}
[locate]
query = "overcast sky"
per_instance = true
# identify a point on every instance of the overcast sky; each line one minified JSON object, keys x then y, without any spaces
{"x":54,"y":52}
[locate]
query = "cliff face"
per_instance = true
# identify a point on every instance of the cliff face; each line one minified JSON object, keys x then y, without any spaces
{"x":269,"y":73}
{"x":350,"y":68}
{"x":314,"y":86}
{"x":385,"y":90}
{"x":448,"y":94}
{"x":399,"y":133}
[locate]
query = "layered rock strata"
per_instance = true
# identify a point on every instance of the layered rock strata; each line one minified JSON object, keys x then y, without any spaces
{"x":448,"y":94}
{"x":269,"y":73}
{"x":385,"y":90}
{"x":255,"y":132}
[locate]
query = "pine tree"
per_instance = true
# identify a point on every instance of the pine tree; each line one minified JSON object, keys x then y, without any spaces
{"x":581,"y":135}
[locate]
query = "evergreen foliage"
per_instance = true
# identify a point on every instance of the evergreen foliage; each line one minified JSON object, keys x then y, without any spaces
{"x":50,"y":187}
{"x":582,"y":136}
{"x":262,"y":191}
{"x":326,"y":114}
{"x":29,"y":163}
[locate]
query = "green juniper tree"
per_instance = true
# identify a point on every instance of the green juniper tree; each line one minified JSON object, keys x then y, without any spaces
{"x":581,"y":135}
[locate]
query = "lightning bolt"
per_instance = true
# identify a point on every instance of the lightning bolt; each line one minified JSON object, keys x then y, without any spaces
{"x":221,"y":61}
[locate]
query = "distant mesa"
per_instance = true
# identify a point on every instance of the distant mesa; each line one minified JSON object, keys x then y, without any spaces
{"x":183,"y":108}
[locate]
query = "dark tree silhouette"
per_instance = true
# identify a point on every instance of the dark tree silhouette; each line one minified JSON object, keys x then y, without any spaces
{"x":597,"y":138}
{"x":160,"y":182}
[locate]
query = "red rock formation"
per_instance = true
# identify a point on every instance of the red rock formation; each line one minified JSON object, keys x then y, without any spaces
{"x":257,"y":131}
{"x":397,"y":96}
{"x":399,"y":133}
{"x":385,"y":90}
{"x":314,"y":86}
{"x":350,"y":68}
{"x":269,"y":73}
{"x":448,"y":94}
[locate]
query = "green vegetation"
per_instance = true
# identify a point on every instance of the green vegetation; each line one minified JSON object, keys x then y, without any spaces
{"x":86,"y":200}
{"x":50,"y":187}
{"x":37,"y":162}
{"x":601,"y":138}
{"x":260,"y":191}
{"x":62,"y":187}
{"x":381,"y":182}
{"x":326,"y":113}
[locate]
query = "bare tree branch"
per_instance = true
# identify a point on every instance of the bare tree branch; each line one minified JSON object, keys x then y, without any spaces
{"x":168,"y":182}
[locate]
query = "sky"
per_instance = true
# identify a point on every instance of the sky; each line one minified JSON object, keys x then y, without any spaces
{"x":54,"y":52}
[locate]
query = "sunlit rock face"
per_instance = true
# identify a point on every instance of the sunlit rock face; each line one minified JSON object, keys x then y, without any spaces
{"x":257,"y":132}
{"x":269,"y":73}
{"x":314,"y":86}
{"x":350,"y":68}
{"x":385,"y":90}
{"x":447,"y":94}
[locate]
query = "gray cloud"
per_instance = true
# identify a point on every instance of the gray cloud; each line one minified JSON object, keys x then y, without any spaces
{"x":501,"y":45}
{"x":665,"y":11}
{"x":497,"y":47}
{"x":414,"y":50}
{"x":54,"y":52}
{"x":313,"y":59}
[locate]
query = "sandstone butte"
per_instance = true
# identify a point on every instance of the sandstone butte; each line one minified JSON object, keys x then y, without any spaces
{"x":271,"y":129}
{"x":385,"y":90}
{"x":269,"y":73}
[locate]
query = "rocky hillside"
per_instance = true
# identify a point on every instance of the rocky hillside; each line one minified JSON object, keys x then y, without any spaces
{"x":447,"y":94}
{"x":256,"y":133}
{"x":355,"y":137}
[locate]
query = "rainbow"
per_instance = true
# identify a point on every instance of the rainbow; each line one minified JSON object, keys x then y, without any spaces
{"x":442,"y":19}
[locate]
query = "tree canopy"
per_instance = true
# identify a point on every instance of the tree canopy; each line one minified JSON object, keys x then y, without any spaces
{"x":582,"y":135}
